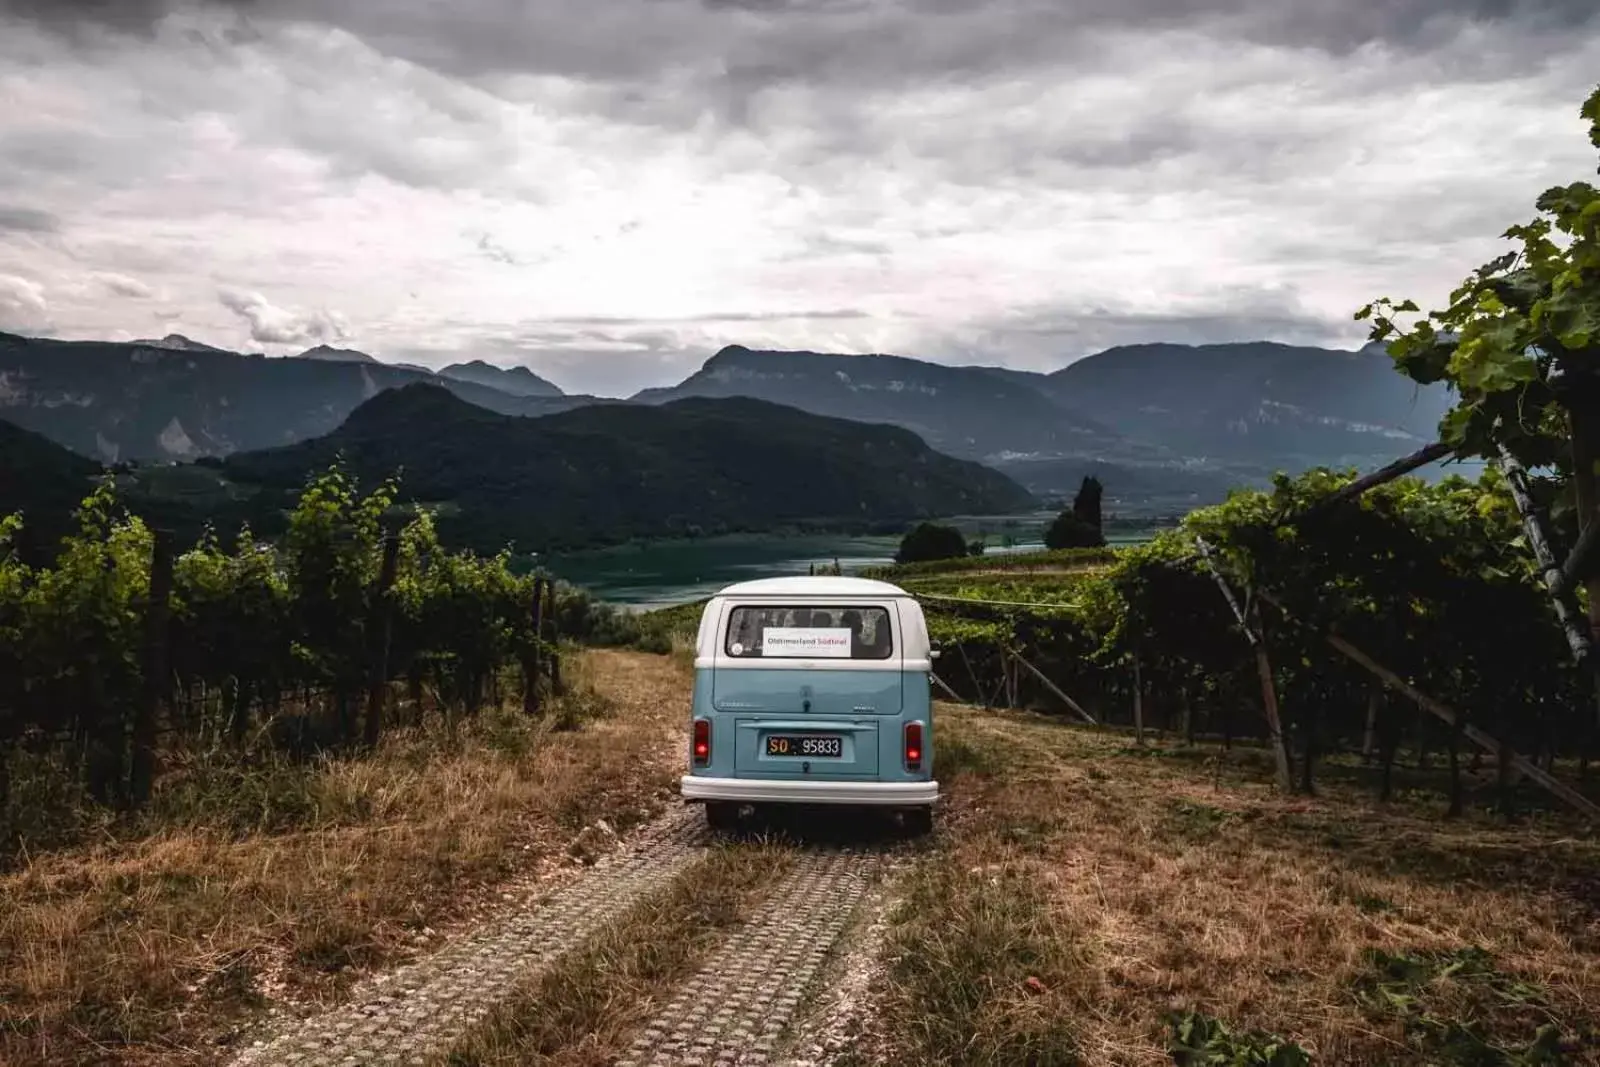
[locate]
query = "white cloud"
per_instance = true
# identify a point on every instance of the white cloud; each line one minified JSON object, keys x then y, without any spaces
{"x":277,"y":326}
{"x":22,"y":304}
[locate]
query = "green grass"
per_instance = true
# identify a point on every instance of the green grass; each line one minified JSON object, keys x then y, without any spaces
{"x":1018,"y":561}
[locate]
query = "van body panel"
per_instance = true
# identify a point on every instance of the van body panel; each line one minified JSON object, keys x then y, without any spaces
{"x":820,"y":692}
{"x":864,"y":703}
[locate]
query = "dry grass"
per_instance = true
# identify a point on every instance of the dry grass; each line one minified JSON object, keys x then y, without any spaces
{"x":152,"y":950}
{"x":1132,"y":887}
{"x":581,"y":1013}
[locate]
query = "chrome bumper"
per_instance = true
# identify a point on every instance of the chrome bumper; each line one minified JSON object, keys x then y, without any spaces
{"x":770,"y":791}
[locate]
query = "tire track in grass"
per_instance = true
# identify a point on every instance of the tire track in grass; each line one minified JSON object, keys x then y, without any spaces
{"x":421,"y":1009}
{"x":736,"y":1008}
{"x":581,"y":1011}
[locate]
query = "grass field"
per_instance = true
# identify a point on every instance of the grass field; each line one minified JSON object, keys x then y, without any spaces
{"x":153,"y":943}
{"x":1084,"y":901}
{"x":1089,"y":898}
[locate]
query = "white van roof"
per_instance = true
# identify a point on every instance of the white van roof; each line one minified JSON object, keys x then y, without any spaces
{"x":807,"y":586}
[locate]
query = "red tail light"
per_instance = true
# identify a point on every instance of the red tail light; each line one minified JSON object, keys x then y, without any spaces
{"x":702,"y":742}
{"x":913,"y":746}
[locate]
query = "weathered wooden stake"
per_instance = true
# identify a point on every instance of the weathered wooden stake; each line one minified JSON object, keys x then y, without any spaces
{"x":1399,"y":468}
{"x":155,"y":680}
{"x":1561,"y":598}
{"x":940,"y":682}
{"x":555,"y":638}
{"x":1138,"y":705}
{"x":1269,"y":704}
{"x":382,"y":622}
{"x":530,"y":663}
{"x":1445,"y":712}
{"x":1255,"y":634}
{"x":972,"y":674}
{"x":1369,"y":735}
{"x":1068,"y":701}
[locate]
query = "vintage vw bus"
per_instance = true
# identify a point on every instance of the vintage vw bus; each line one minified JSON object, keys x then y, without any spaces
{"x":812,"y":691}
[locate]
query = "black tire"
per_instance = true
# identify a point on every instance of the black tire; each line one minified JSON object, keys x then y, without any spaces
{"x":722,"y":815}
{"x":919,"y":821}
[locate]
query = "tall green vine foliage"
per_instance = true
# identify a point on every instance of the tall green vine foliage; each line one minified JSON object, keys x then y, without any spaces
{"x":266,"y":642}
{"x":1519,"y":340}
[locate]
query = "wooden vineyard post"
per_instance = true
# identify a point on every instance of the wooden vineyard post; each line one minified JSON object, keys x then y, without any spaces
{"x":1562,"y":580}
{"x":942,"y":684}
{"x":531,"y":655}
{"x":1582,"y":400}
{"x":1048,"y":684}
{"x":1561,"y":598}
{"x":555,"y":637}
{"x":972,"y":674}
{"x":1138,"y":704}
{"x":1369,"y":735}
{"x":157,"y":613}
{"x":1255,"y":634}
{"x":1448,"y":714}
{"x":382,"y":623}
{"x":1382,"y":476}
{"x":1269,"y":704}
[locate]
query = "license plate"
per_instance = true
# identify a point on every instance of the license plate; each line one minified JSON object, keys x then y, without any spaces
{"x":806,"y":745}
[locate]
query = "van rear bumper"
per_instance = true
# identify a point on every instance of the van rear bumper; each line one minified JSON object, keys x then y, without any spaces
{"x":771,"y":791}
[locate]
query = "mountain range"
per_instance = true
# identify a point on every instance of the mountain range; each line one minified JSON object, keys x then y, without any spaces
{"x":177,"y":400}
{"x":1165,"y":426}
{"x":1180,"y":422}
{"x":600,"y":474}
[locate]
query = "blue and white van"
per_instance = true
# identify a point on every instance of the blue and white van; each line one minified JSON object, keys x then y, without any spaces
{"x":812,"y":691}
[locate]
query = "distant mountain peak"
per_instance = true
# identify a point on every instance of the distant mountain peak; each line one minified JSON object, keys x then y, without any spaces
{"x":328,"y":354}
{"x":177,"y":342}
{"x":517,"y":380}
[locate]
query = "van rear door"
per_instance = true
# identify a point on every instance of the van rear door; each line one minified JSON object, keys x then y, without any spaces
{"x":842,"y":661}
{"x":809,"y":689}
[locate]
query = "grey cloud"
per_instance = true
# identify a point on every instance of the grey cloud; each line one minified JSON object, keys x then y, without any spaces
{"x":751,"y":44}
{"x":491,"y":249}
{"x":122,"y":285}
{"x":1049,"y":338}
{"x":610,"y":363}
{"x":631,"y":322}
{"x":28,"y":220}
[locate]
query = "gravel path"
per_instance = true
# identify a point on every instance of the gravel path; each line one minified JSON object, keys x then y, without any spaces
{"x":419,"y":1010}
{"x":737,"y":1007}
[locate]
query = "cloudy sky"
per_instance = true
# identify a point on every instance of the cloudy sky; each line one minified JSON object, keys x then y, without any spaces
{"x":610,"y":190}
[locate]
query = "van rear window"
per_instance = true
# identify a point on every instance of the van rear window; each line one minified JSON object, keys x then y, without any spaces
{"x":774,"y":632}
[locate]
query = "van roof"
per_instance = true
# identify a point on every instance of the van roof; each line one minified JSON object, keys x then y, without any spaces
{"x":818,"y":586}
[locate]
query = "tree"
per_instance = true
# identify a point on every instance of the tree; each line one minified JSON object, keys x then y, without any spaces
{"x":1086,"y":505}
{"x":1079,"y":527}
{"x":929,"y":541}
{"x":1069,"y":531}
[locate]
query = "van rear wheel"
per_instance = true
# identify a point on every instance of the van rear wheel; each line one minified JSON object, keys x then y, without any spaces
{"x":919,"y":821}
{"x":722,"y":815}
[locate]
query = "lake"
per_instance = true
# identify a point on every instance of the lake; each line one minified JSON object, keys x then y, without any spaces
{"x":665,"y":573}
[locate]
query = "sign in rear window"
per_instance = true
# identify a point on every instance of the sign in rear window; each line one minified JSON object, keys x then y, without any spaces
{"x":809,"y":633}
{"x":805,"y":642}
